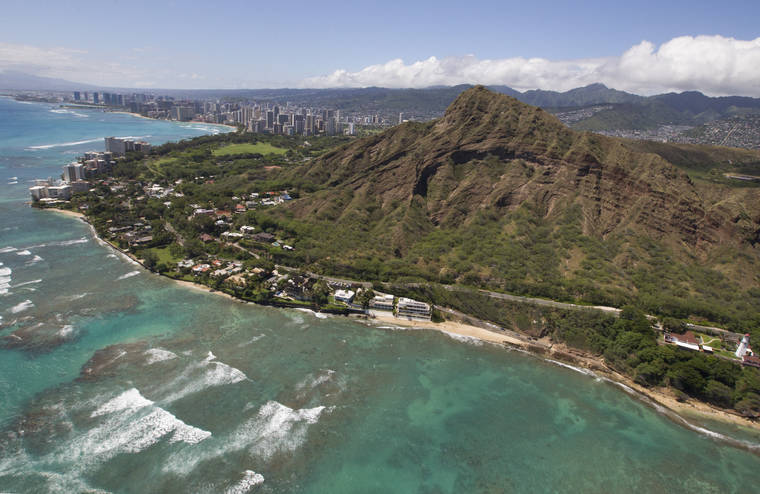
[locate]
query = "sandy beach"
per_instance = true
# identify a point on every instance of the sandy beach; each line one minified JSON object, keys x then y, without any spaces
{"x":231,"y":127}
{"x":66,"y":212}
{"x":206,"y":289}
{"x":453,"y":327}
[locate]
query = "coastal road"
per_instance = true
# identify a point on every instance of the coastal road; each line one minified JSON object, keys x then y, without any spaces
{"x":527,"y":300}
{"x":329,"y":279}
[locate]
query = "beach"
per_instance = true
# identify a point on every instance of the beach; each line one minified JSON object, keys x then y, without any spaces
{"x":231,"y":127}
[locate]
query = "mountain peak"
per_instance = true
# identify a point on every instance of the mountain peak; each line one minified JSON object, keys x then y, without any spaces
{"x":479,"y":111}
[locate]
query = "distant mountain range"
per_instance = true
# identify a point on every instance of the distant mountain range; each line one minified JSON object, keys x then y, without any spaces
{"x":20,"y":81}
{"x":597,"y":107}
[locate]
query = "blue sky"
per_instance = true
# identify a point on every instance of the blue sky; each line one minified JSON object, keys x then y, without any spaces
{"x":275,"y":44}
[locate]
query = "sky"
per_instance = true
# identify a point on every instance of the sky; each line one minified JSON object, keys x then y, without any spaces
{"x":644,"y":46}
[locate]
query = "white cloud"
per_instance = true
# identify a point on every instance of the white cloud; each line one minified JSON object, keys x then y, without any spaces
{"x":715,"y":65}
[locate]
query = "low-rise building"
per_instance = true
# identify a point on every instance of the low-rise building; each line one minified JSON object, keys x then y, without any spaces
{"x":413,"y":309}
{"x":382,"y":302}
{"x":232,"y":236}
{"x":346,"y":296}
{"x":686,"y":341}
{"x":263,"y":237}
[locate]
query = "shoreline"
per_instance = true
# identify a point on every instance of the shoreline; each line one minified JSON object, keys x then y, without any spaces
{"x":232,"y":128}
{"x":549,"y":351}
{"x":661,"y":400}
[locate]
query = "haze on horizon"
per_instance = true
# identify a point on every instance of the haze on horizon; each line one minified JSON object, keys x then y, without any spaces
{"x":644,"y":47}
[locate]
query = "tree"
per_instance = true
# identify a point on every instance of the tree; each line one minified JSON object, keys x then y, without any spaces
{"x":150,"y":259}
{"x":320,"y":292}
{"x":364,"y":298}
{"x":650,"y":373}
{"x":749,"y":406}
{"x":194,"y":248}
{"x":685,"y":377}
{"x":176,"y":250}
{"x":718,"y":393}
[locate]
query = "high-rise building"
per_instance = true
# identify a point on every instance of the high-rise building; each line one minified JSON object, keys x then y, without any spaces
{"x":299,"y":124}
{"x":73,"y":172}
{"x":331,"y":127}
{"x":116,"y":146}
{"x":270,"y":119}
{"x":309,"y":126}
{"x":77,"y":96}
{"x":183,"y":113}
{"x":401,"y":118}
{"x":95,"y":98}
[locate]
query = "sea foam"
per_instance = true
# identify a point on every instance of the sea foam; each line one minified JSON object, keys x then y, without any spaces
{"x":159,"y":355}
{"x":26,"y":304}
{"x":128,"y":275}
{"x":275,"y":428}
{"x":128,"y":400}
{"x":5,"y":279}
{"x":201,"y":375}
{"x":65,"y":144}
{"x":134,"y":423}
{"x":250,"y":479}
{"x":278,"y":428}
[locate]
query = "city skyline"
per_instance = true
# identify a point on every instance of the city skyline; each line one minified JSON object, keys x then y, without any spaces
{"x":547,"y":45}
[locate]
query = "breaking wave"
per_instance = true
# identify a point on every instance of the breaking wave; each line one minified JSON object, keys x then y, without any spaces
{"x":159,"y":355}
{"x":26,"y":304}
{"x":128,"y":275}
{"x":250,"y":479}
{"x":275,"y":428}
{"x":472,"y":340}
{"x":66,"y":144}
{"x":5,"y":279}
{"x":201,"y":375}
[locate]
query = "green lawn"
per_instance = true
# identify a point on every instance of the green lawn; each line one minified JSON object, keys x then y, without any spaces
{"x":164,"y":256}
{"x":712,"y":341}
{"x":259,"y":147}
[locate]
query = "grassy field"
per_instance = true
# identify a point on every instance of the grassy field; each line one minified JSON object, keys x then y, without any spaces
{"x":164,"y":256}
{"x":247,"y":148}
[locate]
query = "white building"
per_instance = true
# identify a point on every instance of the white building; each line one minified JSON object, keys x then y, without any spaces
{"x":382,"y":302}
{"x":38,"y":192}
{"x":413,"y":309}
{"x":344,"y":296}
{"x":744,"y":347}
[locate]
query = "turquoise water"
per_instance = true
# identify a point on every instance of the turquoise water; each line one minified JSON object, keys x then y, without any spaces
{"x":126,"y":382}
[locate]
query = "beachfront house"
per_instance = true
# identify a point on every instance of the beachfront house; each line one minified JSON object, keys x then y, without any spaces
{"x":345,"y":296}
{"x":413,"y":309}
{"x":382,"y":302}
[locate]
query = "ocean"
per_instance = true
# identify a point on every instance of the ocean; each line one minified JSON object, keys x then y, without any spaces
{"x":116,"y":380}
